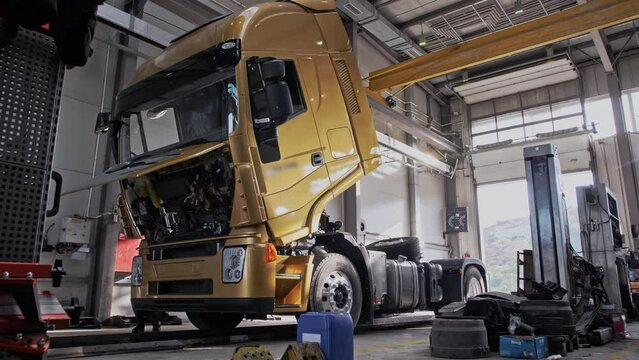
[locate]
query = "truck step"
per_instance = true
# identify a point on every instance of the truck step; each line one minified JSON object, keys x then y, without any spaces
{"x":287,"y":306}
{"x":286,"y":276}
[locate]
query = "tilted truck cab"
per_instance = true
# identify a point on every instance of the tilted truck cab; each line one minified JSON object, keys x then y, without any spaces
{"x":230,"y":145}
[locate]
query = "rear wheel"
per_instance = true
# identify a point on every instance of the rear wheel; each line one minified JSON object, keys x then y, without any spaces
{"x":473,"y":283}
{"x":212,"y":321}
{"x":335,"y":287}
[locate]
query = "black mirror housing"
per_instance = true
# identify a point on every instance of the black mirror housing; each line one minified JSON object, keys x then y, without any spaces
{"x":280,"y":103}
{"x":103,"y":123}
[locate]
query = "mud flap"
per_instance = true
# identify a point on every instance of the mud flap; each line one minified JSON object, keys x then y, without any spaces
{"x":452,"y":280}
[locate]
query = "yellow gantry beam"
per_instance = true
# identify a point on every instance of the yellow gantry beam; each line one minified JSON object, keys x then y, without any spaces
{"x":570,"y":23}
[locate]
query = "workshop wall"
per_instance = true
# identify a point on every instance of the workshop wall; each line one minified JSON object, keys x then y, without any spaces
{"x":84,"y":94}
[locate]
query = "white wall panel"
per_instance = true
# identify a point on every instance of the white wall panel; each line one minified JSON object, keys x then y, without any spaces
{"x":384,"y":201}
{"x":566,"y":90}
{"x":594,"y":80}
{"x":507,"y":103}
{"x":368,"y":58}
{"x":435,"y":110}
{"x":534,"y":97}
{"x":430,"y":202}
{"x":335,"y":209}
{"x":481,"y":110}
{"x":82,"y":93}
{"x":629,"y":72}
{"x":508,"y":163}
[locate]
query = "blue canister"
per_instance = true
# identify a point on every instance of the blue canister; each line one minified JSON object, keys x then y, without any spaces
{"x":333,"y":331}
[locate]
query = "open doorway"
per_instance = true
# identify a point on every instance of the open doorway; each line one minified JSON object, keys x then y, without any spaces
{"x":504,"y":224}
{"x":504,"y":228}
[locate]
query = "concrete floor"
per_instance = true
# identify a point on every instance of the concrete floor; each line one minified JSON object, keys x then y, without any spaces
{"x":405,"y":344}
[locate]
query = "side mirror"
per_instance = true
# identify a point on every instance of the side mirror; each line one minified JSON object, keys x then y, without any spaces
{"x":103,"y":123}
{"x":278,"y":95}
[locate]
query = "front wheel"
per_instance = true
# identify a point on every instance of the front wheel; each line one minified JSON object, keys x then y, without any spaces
{"x":213,"y":321}
{"x":473,"y":283}
{"x":335,"y":287}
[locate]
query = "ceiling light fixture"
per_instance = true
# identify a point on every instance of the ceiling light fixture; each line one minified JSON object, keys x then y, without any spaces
{"x":422,"y":39}
{"x":518,"y":8}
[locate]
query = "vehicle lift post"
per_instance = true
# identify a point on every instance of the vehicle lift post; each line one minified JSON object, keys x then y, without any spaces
{"x":548,"y":218}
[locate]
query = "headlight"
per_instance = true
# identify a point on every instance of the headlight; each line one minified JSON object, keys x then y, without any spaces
{"x":136,"y":271}
{"x":233,"y":264}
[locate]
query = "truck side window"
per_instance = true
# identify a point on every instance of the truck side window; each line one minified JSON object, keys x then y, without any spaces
{"x":294,"y":86}
{"x":260,"y":76}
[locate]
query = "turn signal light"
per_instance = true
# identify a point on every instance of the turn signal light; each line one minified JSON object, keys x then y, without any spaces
{"x":271,"y":253}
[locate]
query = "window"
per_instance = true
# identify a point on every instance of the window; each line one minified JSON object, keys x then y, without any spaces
{"x":508,"y":120}
{"x":505,"y":124}
{"x":504,"y":229}
{"x":269,"y":91}
{"x":566,"y":108}
{"x":599,"y":111}
{"x":527,"y":123}
{"x":537,"y":114}
{"x":630,"y":100}
{"x":203,"y":114}
{"x":511,"y":134}
{"x":569,"y":122}
{"x":483,"y":125}
{"x":533,"y":130}
{"x":485,"y":139}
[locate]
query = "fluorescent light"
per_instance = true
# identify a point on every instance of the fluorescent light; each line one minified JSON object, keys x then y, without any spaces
{"x":518,"y":8}
{"x":518,"y":80}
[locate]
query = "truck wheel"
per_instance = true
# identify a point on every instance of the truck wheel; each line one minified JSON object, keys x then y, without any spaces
{"x":335,"y":287}
{"x":473,"y":283}
{"x":212,"y":321}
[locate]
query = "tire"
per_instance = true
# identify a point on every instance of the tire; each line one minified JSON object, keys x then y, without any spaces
{"x":473,"y":283}
{"x":336,"y":287}
{"x":213,"y":321}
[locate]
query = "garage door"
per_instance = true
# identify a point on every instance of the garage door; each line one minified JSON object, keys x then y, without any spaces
{"x":507,"y":163}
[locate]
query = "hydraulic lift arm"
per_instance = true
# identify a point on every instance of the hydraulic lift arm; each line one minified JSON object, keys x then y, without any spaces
{"x":570,"y":23}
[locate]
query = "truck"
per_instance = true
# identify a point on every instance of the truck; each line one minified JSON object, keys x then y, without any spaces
{"x":229,"y":146}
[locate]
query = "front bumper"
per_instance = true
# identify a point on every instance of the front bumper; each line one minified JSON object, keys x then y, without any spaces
{"x":192,"y":282}
{"x":227,"y":305}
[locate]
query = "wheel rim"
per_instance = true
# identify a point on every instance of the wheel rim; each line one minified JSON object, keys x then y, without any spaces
{"x":336,"y":294}
{"x":474,"y":288}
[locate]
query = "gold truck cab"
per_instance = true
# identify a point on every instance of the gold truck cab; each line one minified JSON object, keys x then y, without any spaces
{"x":232,"y":142}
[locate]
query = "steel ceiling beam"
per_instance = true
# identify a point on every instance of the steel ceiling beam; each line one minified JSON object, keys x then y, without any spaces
{"x":570,"y":23}
{"x":601,"y":44}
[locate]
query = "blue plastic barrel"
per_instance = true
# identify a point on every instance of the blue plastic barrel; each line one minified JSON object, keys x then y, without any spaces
{"x":333,"y":331}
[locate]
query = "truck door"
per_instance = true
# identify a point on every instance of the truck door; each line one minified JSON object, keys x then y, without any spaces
{"x":292,"y":167}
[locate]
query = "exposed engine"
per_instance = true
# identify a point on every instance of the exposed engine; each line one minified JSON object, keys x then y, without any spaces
{"x":191,"y":200}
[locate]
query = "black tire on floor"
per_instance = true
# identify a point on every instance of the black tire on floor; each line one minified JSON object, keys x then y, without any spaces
{"x":212,"y":321}
{"x":473,"y":283}
{"x":322,"y":273}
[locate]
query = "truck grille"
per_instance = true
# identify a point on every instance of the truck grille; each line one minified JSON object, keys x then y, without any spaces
{"x":185,"y":251}
{"x":181,"y":287}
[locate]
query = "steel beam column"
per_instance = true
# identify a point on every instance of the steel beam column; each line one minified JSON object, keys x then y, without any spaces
{"x":601,"y":44}
{"x":548,"y":222}
{"x":570,"y":23}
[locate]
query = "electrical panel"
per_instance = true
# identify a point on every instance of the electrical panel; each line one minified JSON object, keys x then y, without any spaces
{"x":75,"y":231}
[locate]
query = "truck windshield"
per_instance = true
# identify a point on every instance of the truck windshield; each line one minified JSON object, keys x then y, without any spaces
{"x":192,"y":114}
